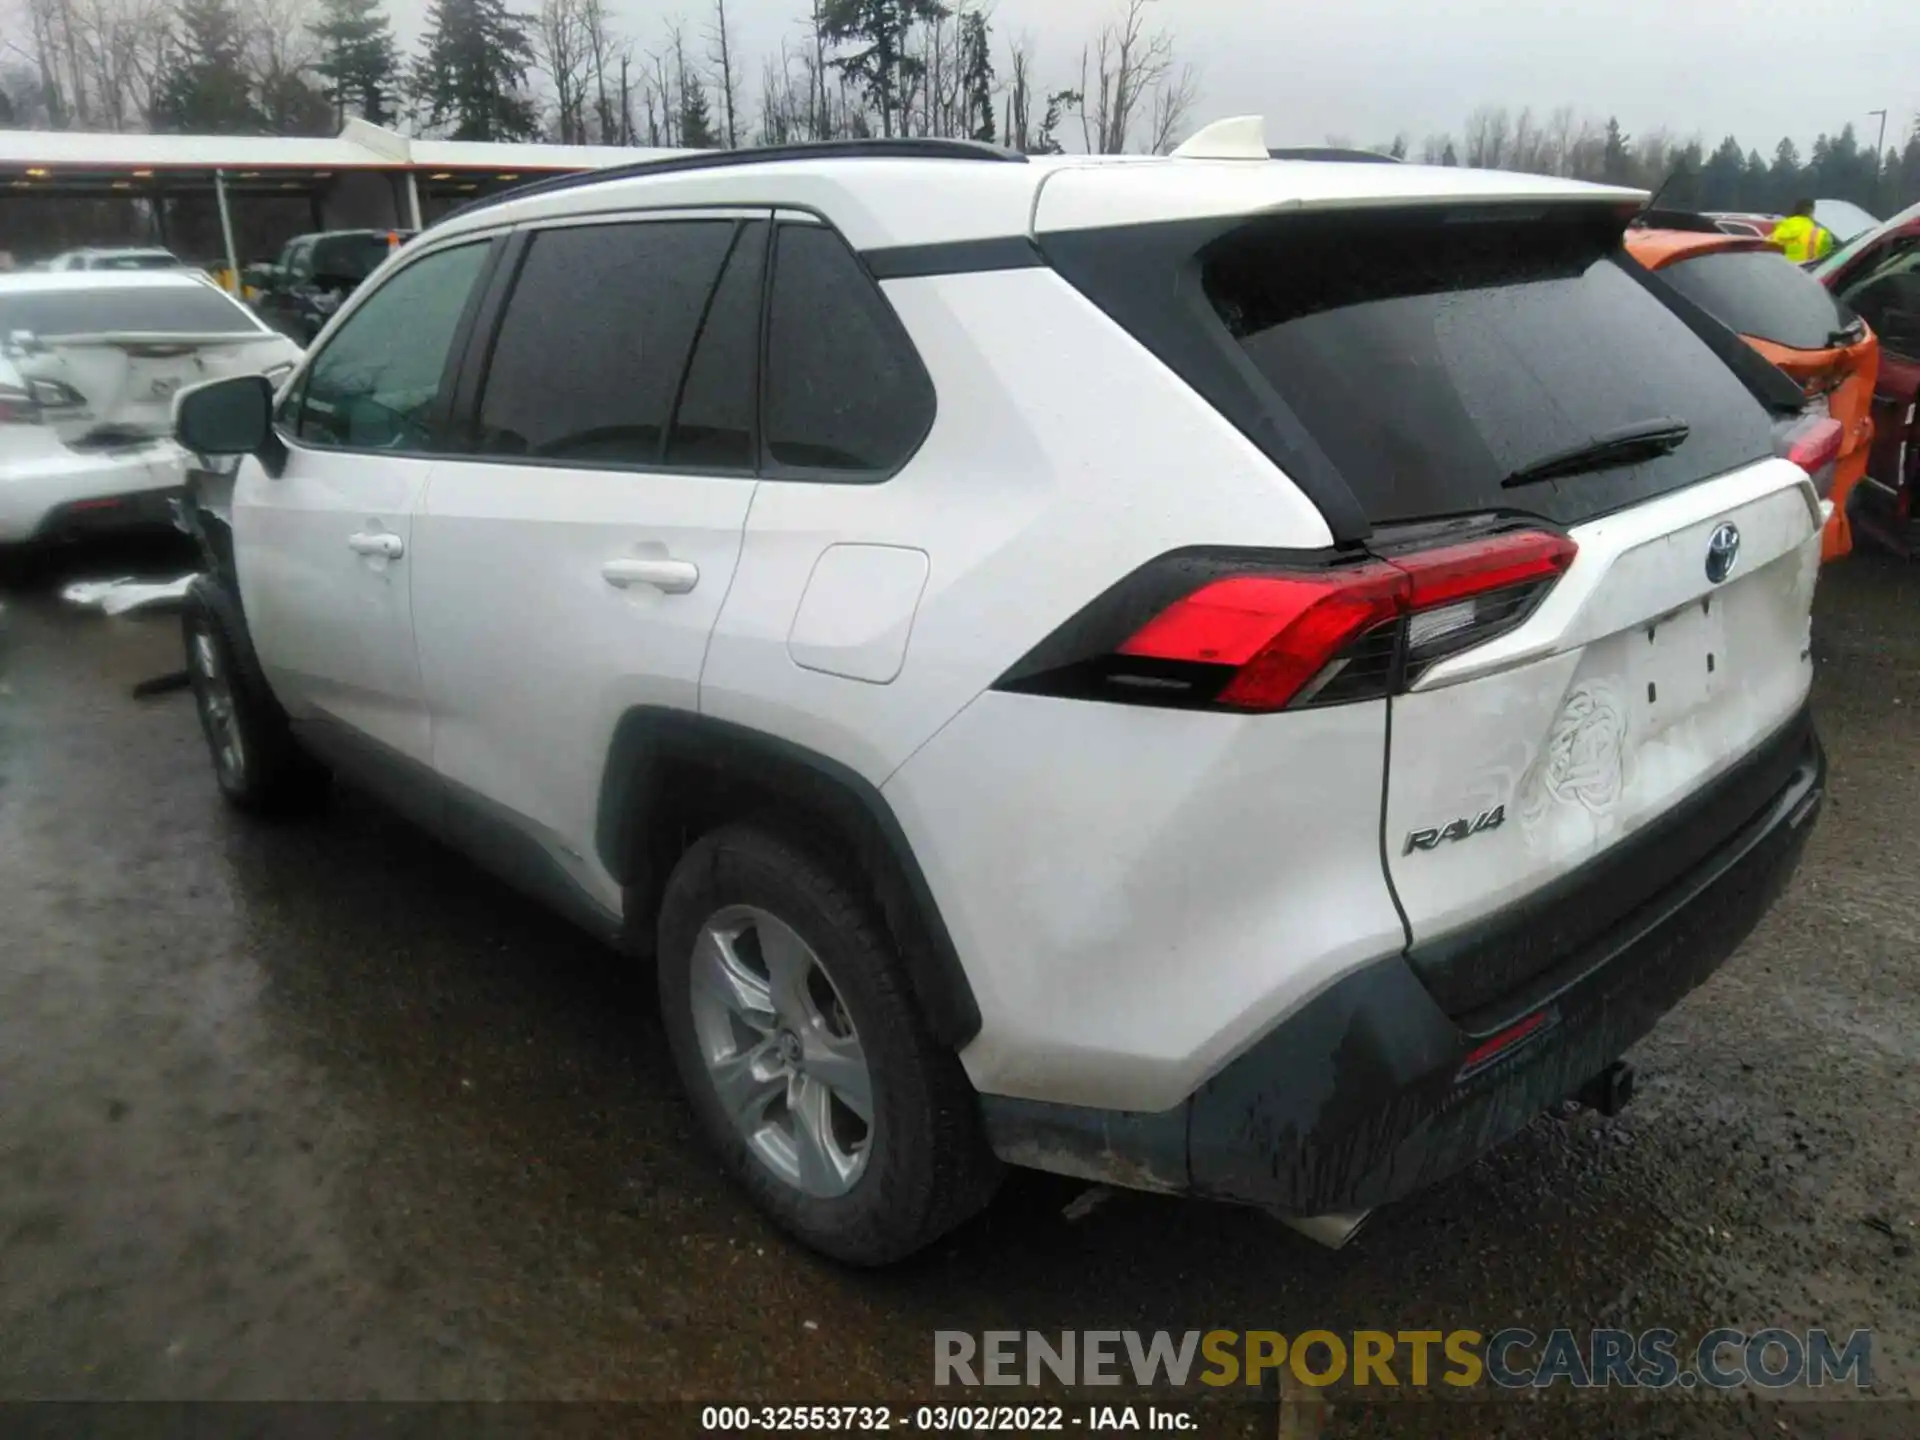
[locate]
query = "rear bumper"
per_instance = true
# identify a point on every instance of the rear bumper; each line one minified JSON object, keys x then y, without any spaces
{"x":1362,"y":1097}
{"x":70,"y":495}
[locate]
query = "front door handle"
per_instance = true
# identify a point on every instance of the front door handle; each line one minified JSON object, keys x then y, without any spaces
{"x":673,"y":577}
{"x":387,"y":546}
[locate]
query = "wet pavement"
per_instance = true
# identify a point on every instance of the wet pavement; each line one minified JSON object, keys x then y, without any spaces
{"x":318,"y":1111}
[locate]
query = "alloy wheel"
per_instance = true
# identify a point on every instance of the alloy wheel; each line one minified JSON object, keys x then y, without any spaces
{"x":781,"y":1051}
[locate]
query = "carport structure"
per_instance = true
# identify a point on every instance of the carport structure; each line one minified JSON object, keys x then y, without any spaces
{"x":364,"y":177}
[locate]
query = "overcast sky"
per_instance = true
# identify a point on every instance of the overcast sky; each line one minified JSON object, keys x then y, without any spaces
{"x":1366,"y":69}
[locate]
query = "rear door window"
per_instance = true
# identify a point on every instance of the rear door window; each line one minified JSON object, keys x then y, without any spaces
{"x":587,"y":364}
{"x":1763,"y":294}
{"x":713,"y":423}
{"x":846,"y":395}
{"x":1430,"y":359}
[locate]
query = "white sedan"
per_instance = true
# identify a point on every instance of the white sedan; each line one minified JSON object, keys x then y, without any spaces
{"x":89,"y":363}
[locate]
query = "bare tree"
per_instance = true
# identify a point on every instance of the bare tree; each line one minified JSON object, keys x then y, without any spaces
{"x":561,"y":53}
{"x":1560,"y":133}
{"x":1017,"y":126}
{"x":1173,"y":100}
{"x":1488,"y":131}
{"x":721,"y":53}
{"x":1124,"y":65}
{"x":604,"y":48}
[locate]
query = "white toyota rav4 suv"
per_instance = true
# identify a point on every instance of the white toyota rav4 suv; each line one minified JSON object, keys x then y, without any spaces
{"x":1235,"y":677}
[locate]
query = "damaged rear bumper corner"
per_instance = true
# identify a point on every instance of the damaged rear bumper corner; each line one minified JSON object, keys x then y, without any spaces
{"x":1365,"y":1094}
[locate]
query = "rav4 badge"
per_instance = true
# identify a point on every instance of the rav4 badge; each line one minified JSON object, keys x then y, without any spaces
{"x":1461,"y":829}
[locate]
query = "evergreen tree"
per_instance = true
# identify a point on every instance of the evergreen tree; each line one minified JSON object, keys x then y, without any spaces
{"x":696,"y":115}
{"x":289,"y":105}
{"x":1907,"y":189}
{"x":360,"y":61}
{"x":1721,"y":176}
{"x":1615,"y":162}
{"x":1756,"y":186}
{"x":1785,"y":178}
{"x":1449,"y":156}
{"x":472,"y":71}
{"x":204,"y":88}
{"x":882,"y":67}
{"x":976,"y":75}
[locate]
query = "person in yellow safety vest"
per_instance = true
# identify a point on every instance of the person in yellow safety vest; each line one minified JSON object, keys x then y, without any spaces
{"x":1801,"y":236}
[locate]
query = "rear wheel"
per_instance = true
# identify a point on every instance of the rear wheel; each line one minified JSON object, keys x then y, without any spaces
{"x":260,"y":767}
{"x":804,"y":1054}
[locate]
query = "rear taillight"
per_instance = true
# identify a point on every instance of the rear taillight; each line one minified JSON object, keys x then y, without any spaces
{"x":17,"y":407}
{"x":1252,"y":636}
{"x":1813,"y":443}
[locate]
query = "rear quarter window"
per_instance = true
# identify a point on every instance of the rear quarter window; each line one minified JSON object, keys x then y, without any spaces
{"x":846,"y":396}
{"x":1762,"y":294}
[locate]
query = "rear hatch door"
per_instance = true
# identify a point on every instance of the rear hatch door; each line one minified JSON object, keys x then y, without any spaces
{"x":1465,"y":376}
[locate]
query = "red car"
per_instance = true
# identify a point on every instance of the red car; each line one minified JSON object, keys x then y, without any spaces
{"x":1877,"y":275}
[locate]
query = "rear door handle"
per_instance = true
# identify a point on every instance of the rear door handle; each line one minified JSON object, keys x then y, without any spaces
{"x":673,"y":577}
{"x":388,"y":546}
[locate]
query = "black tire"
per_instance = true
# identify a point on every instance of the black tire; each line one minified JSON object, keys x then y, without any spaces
{"x":927,"y":1167}
{"x":266,"y":772}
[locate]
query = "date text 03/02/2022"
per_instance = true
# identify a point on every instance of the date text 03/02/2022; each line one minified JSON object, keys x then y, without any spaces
{"x":938,"y":1419}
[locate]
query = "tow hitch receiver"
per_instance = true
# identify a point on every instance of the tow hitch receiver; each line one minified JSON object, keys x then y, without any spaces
{"x":1609,"y":1091}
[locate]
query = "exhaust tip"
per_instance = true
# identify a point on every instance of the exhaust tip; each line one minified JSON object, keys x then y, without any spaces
{"x":1332,"y":1230}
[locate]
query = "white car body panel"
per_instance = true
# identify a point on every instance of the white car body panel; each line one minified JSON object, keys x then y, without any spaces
{"x":1042,"y":482}
{"x":333,"y":626}
{"x":530,"y":655}
{"x":1138,"y":894}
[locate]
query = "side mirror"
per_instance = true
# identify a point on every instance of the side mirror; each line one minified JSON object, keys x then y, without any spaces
{"x":228,"y":417}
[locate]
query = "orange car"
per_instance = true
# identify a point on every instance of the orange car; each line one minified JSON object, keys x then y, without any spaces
{"x":1790,"y":318}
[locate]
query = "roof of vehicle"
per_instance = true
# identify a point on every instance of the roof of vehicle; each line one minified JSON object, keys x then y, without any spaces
{"x":104,"y":250}
{"x":917,"y":193}
{"x":1656,"y":248}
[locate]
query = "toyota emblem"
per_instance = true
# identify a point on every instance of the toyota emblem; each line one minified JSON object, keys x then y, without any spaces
{"x":1723,"y":552}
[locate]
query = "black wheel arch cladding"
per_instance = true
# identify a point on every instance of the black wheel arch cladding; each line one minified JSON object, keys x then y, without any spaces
{"x":670,"y":775}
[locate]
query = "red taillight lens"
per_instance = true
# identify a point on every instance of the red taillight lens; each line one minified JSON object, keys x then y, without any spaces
{"x":1491,"y":1049}
{"x":1279,"y":631}
{"x":1814,"y":445}
{"x":1276,"y":640}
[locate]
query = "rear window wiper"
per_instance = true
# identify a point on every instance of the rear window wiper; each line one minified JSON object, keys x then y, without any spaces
{"x":1643,"y":440}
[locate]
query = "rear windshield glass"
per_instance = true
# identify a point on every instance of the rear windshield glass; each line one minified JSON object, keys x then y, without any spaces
{"x":174,"y":310}
{"x":1762,"y":294}
{"x":349,"y":257}
{"x":134,"y":260}
{"x":1432,"y":359}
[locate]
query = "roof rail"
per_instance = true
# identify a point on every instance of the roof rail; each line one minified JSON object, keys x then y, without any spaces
{"x":1344,"y":153}
{"x":902,"y":148}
